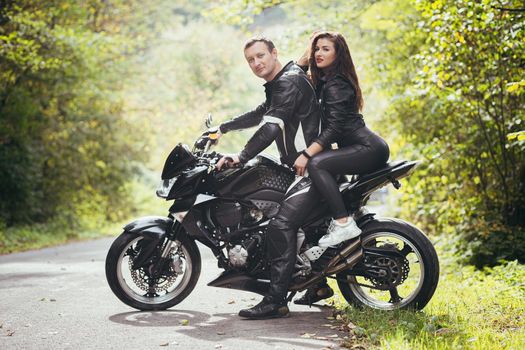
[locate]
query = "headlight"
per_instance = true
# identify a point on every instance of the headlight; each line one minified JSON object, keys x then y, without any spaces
{"x":165,"y":187}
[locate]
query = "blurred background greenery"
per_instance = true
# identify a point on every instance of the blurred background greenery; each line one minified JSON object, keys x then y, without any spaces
{"x":94,"y":94}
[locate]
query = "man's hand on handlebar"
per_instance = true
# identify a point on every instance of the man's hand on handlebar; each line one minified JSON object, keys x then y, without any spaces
{"x":228,"y":160}
{"x":214,"y":133}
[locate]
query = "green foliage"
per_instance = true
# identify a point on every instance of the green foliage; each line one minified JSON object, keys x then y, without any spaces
{"x":94,"y":93}
{"x":518,"y":135}
{"x":457,"y":111}
{"x":184,"y":77}
{"x":471,"y":309}
{"x":65,"y":145}
{"x":241,"y":13}
{"x":90,"y":222}
{"x":39,"y":235}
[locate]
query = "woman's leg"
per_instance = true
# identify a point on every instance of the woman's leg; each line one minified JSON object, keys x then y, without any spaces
{"x":370,"y":154}
{"x":367,"y":154}
{"x":323,"y":169}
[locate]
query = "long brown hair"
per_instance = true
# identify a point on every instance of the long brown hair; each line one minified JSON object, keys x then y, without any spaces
{"x":343,"y":63}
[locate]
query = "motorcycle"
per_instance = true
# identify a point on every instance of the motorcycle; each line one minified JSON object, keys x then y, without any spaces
{"x":154,"y":264}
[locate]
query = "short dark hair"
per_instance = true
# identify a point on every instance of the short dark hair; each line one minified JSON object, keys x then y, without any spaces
{"x":256,"y":39}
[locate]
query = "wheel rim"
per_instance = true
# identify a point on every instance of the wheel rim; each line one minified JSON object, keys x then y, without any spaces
{"x":134,"y":291}
{"x":407,"y":290}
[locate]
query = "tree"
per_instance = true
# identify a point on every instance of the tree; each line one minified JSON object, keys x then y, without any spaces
{"x":453,"y":75}
{"x":65,"y":146}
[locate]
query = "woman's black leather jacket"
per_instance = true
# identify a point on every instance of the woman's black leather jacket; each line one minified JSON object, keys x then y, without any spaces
{"x":341,"y":115}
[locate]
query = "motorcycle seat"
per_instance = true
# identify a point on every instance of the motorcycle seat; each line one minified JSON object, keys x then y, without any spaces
{"x":389,"y":167}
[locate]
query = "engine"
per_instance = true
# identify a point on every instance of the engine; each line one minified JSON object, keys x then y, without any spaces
{"x":237,"y":225}
{"x":246,"y":253}
{"x":238,"y":256}
{"x":231,"y":216}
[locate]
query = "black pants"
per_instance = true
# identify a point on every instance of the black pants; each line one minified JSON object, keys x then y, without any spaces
{"x":362,"y":152}
{"x":281,"y":248}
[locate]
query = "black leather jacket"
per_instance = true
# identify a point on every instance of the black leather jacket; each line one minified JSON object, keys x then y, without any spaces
{"x":290,"y":116}
{"x":341,"y":115}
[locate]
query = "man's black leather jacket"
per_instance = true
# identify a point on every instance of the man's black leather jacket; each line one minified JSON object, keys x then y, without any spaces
{"x":290,"y":115}
{"x":341,"y":115}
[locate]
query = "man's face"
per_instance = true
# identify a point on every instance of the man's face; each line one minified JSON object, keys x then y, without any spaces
{"x":262,"y":62}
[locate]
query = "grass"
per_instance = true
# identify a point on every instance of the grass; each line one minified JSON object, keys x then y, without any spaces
{"x":471,"y":309}
{"x":22,"y":238}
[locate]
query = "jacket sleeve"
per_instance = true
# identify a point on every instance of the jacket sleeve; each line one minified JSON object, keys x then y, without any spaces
{"x":337,"y":95}
{"x":262,"y":138}
{"x":246,"y":120}
{"x":285,"y":95}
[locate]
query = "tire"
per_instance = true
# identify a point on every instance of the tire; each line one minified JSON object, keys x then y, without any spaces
{"x":123,"y":284}
{"x":420,"y":282}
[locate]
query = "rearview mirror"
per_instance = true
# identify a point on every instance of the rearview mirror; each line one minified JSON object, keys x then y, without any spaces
{"x":208,"y":121}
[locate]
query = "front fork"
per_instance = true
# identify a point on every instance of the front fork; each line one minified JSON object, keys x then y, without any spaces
{"x":156,"y":268}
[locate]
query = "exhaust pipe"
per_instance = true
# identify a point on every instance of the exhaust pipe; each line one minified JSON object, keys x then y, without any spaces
{"x":343,"y":253}
{"x":347,"y":263}
{"x":345,"y":259}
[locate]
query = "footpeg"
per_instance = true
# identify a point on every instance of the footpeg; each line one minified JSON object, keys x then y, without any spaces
{"x":314,"y":253}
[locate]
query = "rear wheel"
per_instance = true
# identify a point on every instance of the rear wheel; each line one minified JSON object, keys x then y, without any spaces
{"x":403,"y":268}
{"x":145,"y":289}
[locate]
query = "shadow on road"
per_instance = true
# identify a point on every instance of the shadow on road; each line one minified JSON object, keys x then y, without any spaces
{"x":166,"y":318}
{"x":302,"y":328}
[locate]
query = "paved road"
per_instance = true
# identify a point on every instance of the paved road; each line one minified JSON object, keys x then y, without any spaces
{"x":58,"y":298}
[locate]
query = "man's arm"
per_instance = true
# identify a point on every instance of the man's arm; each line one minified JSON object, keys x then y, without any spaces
{"x":246,"y":120}
{"x":262,"y":138}
{"x":283,"y":99}
{"x":282,"y":104}
{"x":259,"y":141}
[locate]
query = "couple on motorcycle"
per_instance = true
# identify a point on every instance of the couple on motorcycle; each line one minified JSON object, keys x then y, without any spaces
{"x":305,"y":116}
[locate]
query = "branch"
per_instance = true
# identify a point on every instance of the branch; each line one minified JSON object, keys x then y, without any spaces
{"x":508,"y":9}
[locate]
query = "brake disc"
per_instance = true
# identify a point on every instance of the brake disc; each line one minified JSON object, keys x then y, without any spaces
{"x":141,"y":279}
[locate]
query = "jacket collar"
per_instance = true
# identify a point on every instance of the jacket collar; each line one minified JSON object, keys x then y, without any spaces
{"x":281,"y":72}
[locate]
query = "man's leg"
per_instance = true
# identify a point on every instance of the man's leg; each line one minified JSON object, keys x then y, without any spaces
{"x":281,"y":248}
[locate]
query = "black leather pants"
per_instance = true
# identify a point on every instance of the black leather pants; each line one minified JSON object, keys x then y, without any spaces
{"x":281,"y":248}
{"x":362,"y":152}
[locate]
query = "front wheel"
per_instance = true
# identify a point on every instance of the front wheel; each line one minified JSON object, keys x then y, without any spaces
{"x":400,"y":265}
{"x":144,"y":289}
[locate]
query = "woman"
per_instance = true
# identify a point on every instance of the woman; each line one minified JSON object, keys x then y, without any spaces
{"x":359,"y":150}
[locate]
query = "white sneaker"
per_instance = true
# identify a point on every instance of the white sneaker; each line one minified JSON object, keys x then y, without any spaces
{"x":338,"y":233}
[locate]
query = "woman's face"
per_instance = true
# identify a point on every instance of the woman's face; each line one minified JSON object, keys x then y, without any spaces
{"x":324,"y":53}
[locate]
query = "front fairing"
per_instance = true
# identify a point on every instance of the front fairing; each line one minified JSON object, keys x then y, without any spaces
{"x":180,"y":158}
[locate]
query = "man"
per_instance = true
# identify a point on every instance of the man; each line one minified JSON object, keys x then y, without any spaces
{"x":290,"y":116}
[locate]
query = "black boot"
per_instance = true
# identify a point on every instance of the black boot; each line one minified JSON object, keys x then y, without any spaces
{"x":315,"y":294}
{"x":267,"y":308}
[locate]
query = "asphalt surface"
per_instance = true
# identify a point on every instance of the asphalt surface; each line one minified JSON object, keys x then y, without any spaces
{"x":58,"y":298}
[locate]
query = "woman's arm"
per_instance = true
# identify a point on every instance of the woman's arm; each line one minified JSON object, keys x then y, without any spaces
{"x":337,"y":94}
{"x":302,"y":160}
{"x":303,"y":60}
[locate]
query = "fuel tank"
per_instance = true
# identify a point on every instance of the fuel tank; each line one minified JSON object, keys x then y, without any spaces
{"x":261,"y":178}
